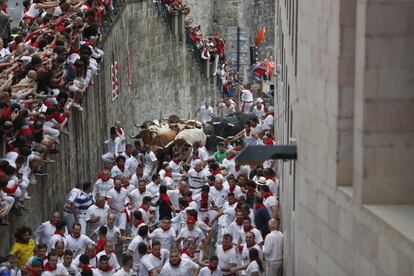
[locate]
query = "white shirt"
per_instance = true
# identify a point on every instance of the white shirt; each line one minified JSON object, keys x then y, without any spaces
{"x":137,"y":196}
{"x":168,"y":182}
{"x":133,"y":247}
{"x":245,"y":252}
{"x":153,"y":188}
{"x":122,"y":272}
{"x":131,"y":165}
{"x":196,"y":235}
{"x":60,"y":270}
{"x":237,"y":190}
{"x":149,"y":262}
{"x":226,"y":257}
{"x":78,"y":245}
{"x":229,"y":164}
{"x":71,"y":198}
{"x":174,"y":196}
{"x":253,"y":267}
{"x":259,"y":113}
{"x":53,"y":240}
{"x":269,"y":202}
{"x":72,"y":269}
{"x":268,"y":122}
{"x":206,"y":113}
{"x":44,"y":232}
{"x":93,"y":262}
{"x":205,"y":271}
{"x":195,"y":179}
{"x":149,"y":158}
{"x":257,"y":236}
{"x":115,"y":171}
{"x":246,"y":96}
{"x":94,"y":212}
{"x":186,"y":267}
{"x":273,"y":246}
{"x":135,"y":179}
{"x":112,"y":259}
{"x":166,"y":238}
{"x":219,"y":196}
{"x":203,"y":154}
{"x":101,"y":188}
{"x":112,"y":234}
{"x":175,"y":168}
{"x":118,"y":199}
{"x":234,"y":231}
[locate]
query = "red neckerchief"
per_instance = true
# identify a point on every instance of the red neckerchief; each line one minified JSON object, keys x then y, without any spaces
{"x":251,"y":246}
{"x":177,"y":162}
{"x":189,"y":199}
{"x":166,"y":199}
{"x":215,"y":172}
{"x":211,"y":268}
{"x":239,"y":223}
{"x":138,"y":222}
{"x":259,"y":108}
{"x":227,"y":248}
{"x":144,"y":208}
{"x":269,"y":141}
{"x":49,"y":268}
{"x":122,"y":168}
{"x":248,"y":228}
{"x":86,"y":267}
{"x":266,"y":195}
{"x":58,"y":233}
{"x":232,"y":189}
{"x":107,"y":269}
{"x":270,"y":113}
{"x":185,"y":251}
{"x":204,"y":201}
{"x":168,"y":175}
{"x":269,"y":177}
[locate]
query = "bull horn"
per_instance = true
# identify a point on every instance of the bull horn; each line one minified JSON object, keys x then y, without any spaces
{"x":137,"y":126}
{"x":221,"y":138}
{"x":216,"y":123}
{"x":132,"y":136}
{"x":157,"y":147}
{"x":169,"y":144}
{"x":208,"y":135}
{"x":229,"y":124}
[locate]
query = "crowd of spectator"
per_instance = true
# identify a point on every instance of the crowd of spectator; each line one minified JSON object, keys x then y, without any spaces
{"x":47,"y":64}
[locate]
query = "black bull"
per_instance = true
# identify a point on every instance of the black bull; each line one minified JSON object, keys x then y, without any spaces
{"x":222,"y":127}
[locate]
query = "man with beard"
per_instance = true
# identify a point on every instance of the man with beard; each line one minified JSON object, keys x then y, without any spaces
{"x":212,"y":269}
{"x":116,"y":201}
{"x":76,"y":241}
{"x":227,"y":255}
{"x":46,"y":230}
{"x":103,"y":185}
{"x":104,"y":268}
{"x":177,"y":266}
{"x":52,"y":267}
{"x":165,"y":234}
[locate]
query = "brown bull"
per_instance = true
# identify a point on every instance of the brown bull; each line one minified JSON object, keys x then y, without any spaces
{"x":156,"y":137}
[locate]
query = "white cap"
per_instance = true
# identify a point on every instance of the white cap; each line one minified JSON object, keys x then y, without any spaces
{"x":259,"y":100}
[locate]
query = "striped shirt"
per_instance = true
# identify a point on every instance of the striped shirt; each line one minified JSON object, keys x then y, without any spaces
{"x":83,"y":201}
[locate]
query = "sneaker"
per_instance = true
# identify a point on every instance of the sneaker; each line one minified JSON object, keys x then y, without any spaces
{"x":41,"y":173}
{"x":64,"y":131}
{"x":78,"y":107}
{"x":49,"y":161}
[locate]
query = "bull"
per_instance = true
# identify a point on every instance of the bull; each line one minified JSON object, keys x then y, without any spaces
{"x":184,"y":141}
{"x":223,"y":127}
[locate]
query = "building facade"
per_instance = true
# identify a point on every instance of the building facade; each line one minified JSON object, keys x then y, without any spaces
{"x":345,"y":96}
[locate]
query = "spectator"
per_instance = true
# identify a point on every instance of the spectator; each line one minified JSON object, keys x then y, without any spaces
{"x":273,"y":249}
{"x":24,"y":246}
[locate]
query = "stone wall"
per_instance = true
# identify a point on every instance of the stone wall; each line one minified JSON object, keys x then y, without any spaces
{"x":164,"y":78}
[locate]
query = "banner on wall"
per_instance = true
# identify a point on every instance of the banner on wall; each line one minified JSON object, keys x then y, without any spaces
{"x":114,"y":80}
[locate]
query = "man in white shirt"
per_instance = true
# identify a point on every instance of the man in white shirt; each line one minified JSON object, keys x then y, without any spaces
{"x":259,"y":109}
{"x":226,"y":255}
{"x":218,"y":192}
{"x":116,"y":200}
{"x":164,"y":234}
{"x":138,"y":194}
{"x":154,"y":186}
{"x":96,"y":215}
{"x":67,"y":263}
{"x":127,"y":267}
{"x":268,"y":121}
{"x":155,"y":260}
{"x":52,"y":266}
{"x":138,"y":175}
{"x":113,"y":144}
{"x":59,"y":235}
{"x":133,"y":247}
{"x":178,"y":266}
{"x":76,"y":241}
{"x":82,"y":203}
{"x":270,"y":201}
{"x":109,"y":252}
{"x":212,"y":269}
{"x":46,"y":230}
{"x":273,"y":249}
{"x":247,"y":227}
{"x":191,"y":232}
{"x":103,"y":185}
{"x":104,"y":268}
{"x":150,"y":162}
{"x":226,"y":107}
{"x":69,"y":205}
{"x":132,"y":163}
{"x":197,"y":177}
{"x":206,"y":112}
{"x":247,"y":100}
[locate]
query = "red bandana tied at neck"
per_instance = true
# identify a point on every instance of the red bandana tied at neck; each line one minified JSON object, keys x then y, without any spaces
{"x":57,"y":232}
{"x":144,"y":208}
{"x":177,"y":162}
{"x":168,"y":174}
{"x":258,"y":205}
{"x":210,"y":266}
{"x":184,"y":251}
{"x":138,"y":222}
{"x":48,"y":267}
{"x":204,"y":201}
{"x":266,"y":195}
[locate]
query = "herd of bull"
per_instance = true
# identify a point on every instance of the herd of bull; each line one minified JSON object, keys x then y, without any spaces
{"x":175,"y":135}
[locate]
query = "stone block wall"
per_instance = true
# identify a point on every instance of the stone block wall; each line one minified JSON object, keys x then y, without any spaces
{"x":164,"y":77}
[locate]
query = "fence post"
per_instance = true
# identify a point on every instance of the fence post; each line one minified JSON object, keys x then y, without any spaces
{"x":181,"y":27}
